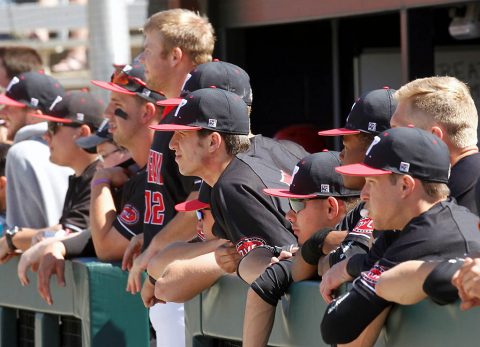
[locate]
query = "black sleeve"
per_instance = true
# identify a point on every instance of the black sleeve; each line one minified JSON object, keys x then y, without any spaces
{"x":81,"y":245}
{"x":248,"y":218}
{"x":274,"y":282}
{"x":347,"y":250}
{"x":347,"y":316}
{"x":362,"y":262}
{"x":438,"y":284}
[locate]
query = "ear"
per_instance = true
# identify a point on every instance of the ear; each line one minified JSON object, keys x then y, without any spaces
{"x":437,"y":131}
{"x":176,"y":56}
{"x":84,"y":131}
{"x":215,"y":142}
{"x":149,"y":114}
{"x":333,"y":208}
{"x":407,"y":185}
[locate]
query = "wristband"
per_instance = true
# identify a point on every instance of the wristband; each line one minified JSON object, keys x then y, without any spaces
{"x":99,"y":181}
{"x":312,"y":248}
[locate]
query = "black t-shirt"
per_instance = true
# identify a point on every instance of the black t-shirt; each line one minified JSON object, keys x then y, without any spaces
{"x":243,"y":213}
{"x":463,"y":178}
{"x":129,"y":222}
{"x":445,"y":231}
{"x":282,"y":154}
{"x":76,"y":208}
{"x":165,"y":186}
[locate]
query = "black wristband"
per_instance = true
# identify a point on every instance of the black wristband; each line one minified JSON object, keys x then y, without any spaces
{"x":152,"y":280}
{"x":312,"y":248}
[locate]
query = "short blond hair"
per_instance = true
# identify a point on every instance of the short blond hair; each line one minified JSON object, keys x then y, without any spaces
{"x":185,"y":29}
{"x":448,"y":102}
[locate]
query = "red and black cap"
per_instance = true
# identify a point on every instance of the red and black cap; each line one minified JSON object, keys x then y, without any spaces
{"x":405,"y":151}
{"x":315,"y":176}
{"x":91,"y":142}
{"x":223,"y":75}
{"x":201,"y":203}
{"x":32,"y":89}
{"x":210,"y":108}
{"x":130,"y":80}
{"x":370,"y":114}
{"x":76,"y":107}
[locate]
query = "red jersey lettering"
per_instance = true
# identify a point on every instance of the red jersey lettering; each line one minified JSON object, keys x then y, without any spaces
{"x":154,"y":208}
{"x":154,"y":167}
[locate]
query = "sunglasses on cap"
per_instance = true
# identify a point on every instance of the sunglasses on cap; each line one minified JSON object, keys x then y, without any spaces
{"x":54,"y":126}
{"x":123,"y":79}
{"x":299,"y":204}
{"x":201,"y":214}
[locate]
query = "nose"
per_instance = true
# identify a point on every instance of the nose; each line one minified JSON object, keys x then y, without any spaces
{"x":291,"y":216}
{"x":173,"y":142}
{"x":365,"y":193}
{"x":342,"y":155}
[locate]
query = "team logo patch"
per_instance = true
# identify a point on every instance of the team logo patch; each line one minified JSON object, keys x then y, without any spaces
{"x":372,"y":126}
{"x":129,"y":215}
{"x":376,"y":140}
{"x":325,"y":188}
{"x":286,"y":178}
{"x":370,"y":278}
{"x":212,"y":123}
{"x":34,"y":102}
{"x":404,"y":167}
{"x":127,"y":68}
{"x":364,"y":227}
{"x":146,"y":92}
{"x":80,"y":117}
{"x":246,"y":244}
{"x":14,"y":81}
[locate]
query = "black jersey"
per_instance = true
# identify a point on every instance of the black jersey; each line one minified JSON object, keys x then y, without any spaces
{"x":243,"y":213}
{"x":76,"y":208}
{"x":444,"y":231}
{"x":129,"y":222}
{"x":462,"y":181}
{"x":165,"y":186}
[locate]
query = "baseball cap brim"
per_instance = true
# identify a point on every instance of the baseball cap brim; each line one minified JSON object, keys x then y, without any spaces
{"x":191,"y":205}
{"x":361,"y":170}
{"x":173,"y":127}
{"x":112,"y":87}
{"x":285,"y":193}
{"x":91,"y":141}
{"x":5,"y":100}
{"x":170,"y":102}
{"x":51,"y":118}
{"x":338,"y":132}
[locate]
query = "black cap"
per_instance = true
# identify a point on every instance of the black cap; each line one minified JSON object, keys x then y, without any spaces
{"x":76,"y":107}
{"x":406,"y":151}
{"x":210,"y":108}
{"x":223,"y":75}
{"x":201,"y":203}
{"x":32,"y":89}
{"x":130,"y":80}
{"x":102,"y":135}
{"x":370,"y":114}
{"x":315,"y":176}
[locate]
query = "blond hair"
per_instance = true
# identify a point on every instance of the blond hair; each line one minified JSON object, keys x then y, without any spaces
{"x":185,"y":29}
{"x":447,"y":102}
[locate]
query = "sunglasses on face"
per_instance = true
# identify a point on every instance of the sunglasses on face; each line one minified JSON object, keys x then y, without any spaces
{"x":299,"y":204}
{"x":201,"y":214}
{"x":103,"y":157}
{"x":54,"y":126}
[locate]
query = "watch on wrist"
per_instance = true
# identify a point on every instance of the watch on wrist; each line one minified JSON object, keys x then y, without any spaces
{"x":9,"y":233}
